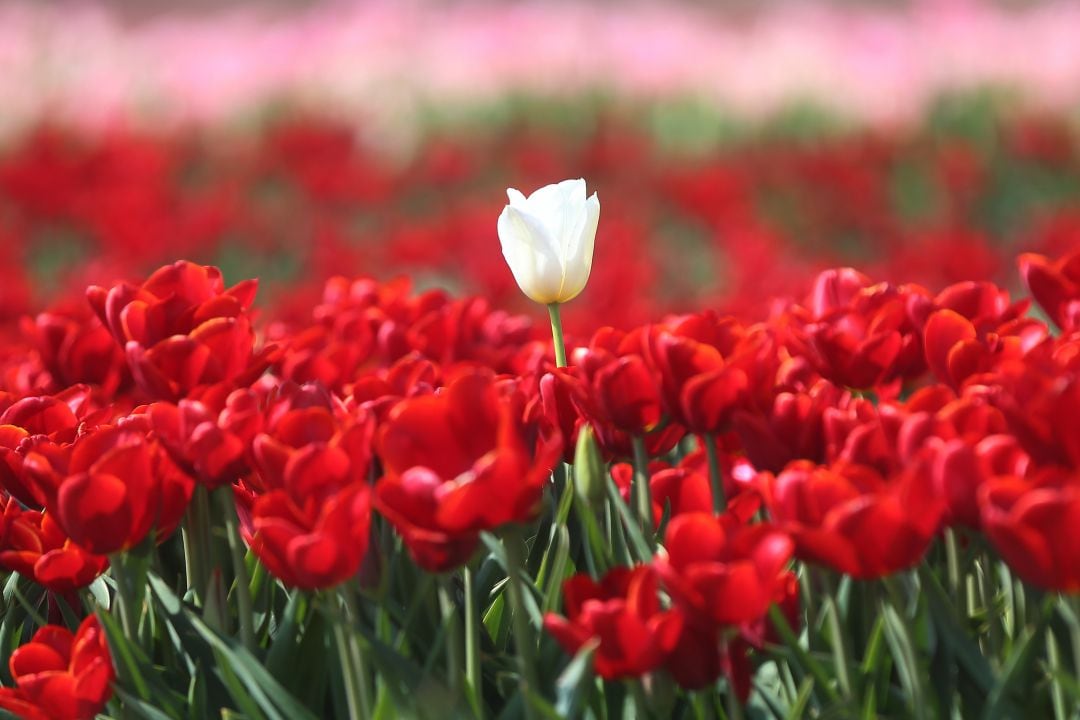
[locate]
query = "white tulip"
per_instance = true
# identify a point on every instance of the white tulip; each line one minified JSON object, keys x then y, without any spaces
{"x":547,"y":240}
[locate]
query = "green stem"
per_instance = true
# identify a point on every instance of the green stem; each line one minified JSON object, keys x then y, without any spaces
{"x":523,"y":636}
{"x":197,"y":545}
{"x":129,"y":615}
{"x":731,"y":702}
{"x":348,"y":672}
{"x":719,"y":502}
{"x":237,"y":553}
{"x":453,"y":634}
{"x":987,"y":592}
{"x":637,"y":692}
{"x":616,"y":534}
{"x":642,"y":498}
{"x":952,"y":563}
{"x":191,"y":561}
{"x":1053,"y":661}
{"x":557,"y":334}
{"x":904,"y":653}
{"x":791,"y":640}
{"x":1074,"y":632}
{"x":836,"y":638}
{"x":358,"y":677}
{"x":472,"y":644}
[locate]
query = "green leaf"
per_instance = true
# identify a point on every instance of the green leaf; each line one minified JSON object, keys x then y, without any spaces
{"x":235,"y":665}
{"x":532,"y":598}
{"x":287,"y":637}
{"x":805,"y":661}
{"x":542,"y":706}
{"x":558,"y":569}
{"x":196,"y":695}
{"x":125,"y":655}
{"x":798,"y":707}
{"x":949,"y":629}
{"x":27,"y":600}
{"x":633,"y":533}
{"x":141,"y":708}
{"x":99,"y":590}
{"x":597,"y":551}
{"x":249,"y":706}
{"x":907,"y":665}
{"x":575,"y":682}
{"x":1017,"y":671}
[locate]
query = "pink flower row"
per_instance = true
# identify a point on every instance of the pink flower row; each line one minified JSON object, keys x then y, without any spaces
{"x":379,"y":61}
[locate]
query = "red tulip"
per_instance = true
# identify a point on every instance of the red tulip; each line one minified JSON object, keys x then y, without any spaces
{"x":721,"y":569}
{"x":617,"y":396}
{"x":457,"y":463}
{"x":862,"y":335}
{"x":1039,"y":396}
{"x":854,"y":520}
{"x":1032,"y":524}
{"x":33,"y":545}
{"x":559,"y":397}
{"x":791,"y":429}
{"x":687,"y":488}
{"x":1055,"y":284}
{"x":76,"y":348}
{"x":627,"y":394}
{"x":212,"y":444}
{"x":696,"y":661}
{"x":182,"y":330}
{"x":380,"y":390}
{"x":984,"y":304}
{"x":313,"y":545}
{"x":118,"y":487}
{"x":59,"y":675}
{"x":309,"y":518}
{"x":701,"y":390}
{"x":960,"y":469}
{"x":306,"y":428}
{"x":956,"y":350}
{"x":622,"y":614}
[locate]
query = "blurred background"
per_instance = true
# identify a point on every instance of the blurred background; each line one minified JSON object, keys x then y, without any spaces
{"x":737,"y":146}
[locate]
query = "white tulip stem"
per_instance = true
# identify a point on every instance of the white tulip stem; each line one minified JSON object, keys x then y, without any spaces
{"x":557,"y":335}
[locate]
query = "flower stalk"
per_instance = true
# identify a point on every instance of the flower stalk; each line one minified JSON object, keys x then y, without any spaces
{"x":557,"y":334}
{"x":642,"y":497}
{"x":227,"y":502}
{"x":716,"y":478}
{"x":523,"y":634}
{"x":472,"y":643}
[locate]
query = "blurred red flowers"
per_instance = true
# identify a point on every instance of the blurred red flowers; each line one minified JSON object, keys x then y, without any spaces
{"x":1055,"y":285}
{"x":1032,"y":522}
{"x":854,"y":417}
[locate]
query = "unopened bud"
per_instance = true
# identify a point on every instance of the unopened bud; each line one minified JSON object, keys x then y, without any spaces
{"x":590,"y":471}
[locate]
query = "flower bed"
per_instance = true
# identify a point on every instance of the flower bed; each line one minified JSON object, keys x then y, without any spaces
{"x":378,"y":501}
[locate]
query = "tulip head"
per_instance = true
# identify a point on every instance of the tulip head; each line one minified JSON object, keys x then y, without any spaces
{"x":547,"y":240}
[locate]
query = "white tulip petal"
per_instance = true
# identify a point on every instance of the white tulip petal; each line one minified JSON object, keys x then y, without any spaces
{"x":552,"y":202}
{"x":588,"y":238}
{"x":579,"y":263}
{"x":547,"y":239}
{"x":517,"y":199}
{"x":530,"y":252}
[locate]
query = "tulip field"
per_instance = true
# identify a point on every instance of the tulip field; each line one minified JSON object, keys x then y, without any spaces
{"x":594,"y":407}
